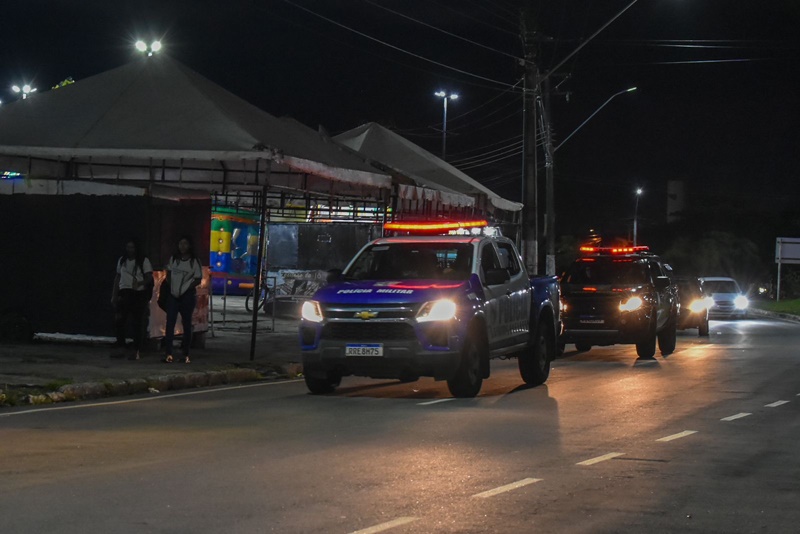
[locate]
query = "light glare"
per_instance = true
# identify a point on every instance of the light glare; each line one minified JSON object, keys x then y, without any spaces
{"x":632,"y":304}
{"x":437,"y":310}
{"x":311,"y":311}
{"x":155,"y":46}
{"x":141,"y":46}
{"x":15,"y":88}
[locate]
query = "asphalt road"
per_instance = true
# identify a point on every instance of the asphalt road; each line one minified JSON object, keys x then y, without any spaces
{"x":610,"y":444}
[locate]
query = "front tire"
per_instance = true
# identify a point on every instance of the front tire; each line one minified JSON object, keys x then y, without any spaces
{"x":583,"y":347}
{"x":467,"y":381}
{"x":668,"y":338}
{"x":647,"y":348}
{"x":534,"y":363}
{"x":322,"y":386}
{"x":703,"y":329}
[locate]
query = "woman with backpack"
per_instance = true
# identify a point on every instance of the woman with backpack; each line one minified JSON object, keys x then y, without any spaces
{"x":184,"y":274}
{"x":133,"y":288}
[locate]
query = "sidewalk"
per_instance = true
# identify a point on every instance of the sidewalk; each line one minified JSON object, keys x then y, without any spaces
{"x":48,"y":366}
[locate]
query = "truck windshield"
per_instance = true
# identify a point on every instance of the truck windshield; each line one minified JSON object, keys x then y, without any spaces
{"x":602,"y":271}
{"x":413,"y":261}
{"x":720,"y":286}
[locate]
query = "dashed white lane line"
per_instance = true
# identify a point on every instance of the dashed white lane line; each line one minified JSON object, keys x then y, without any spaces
{"x":507,"y":487}
{"x":437,"y":401}
{"x":597,"y":460}
{"x":679,"y":435}
{"x":735,"y":417}
{"x":776,"y":404}
{"x":400,"y":521}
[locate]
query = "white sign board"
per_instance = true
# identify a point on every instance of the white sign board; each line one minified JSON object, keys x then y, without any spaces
{"x":787,"y":250}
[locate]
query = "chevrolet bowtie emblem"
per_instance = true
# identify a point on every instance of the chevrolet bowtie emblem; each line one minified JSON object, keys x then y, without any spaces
{"x":366,"y":314}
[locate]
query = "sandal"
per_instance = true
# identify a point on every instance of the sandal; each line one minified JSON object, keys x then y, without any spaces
{"x":168,"y":359}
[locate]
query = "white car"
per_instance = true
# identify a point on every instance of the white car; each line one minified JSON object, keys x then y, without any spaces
{"x":729,"y":301}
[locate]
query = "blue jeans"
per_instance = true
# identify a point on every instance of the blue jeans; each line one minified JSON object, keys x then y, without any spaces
{"x":185,"y":306}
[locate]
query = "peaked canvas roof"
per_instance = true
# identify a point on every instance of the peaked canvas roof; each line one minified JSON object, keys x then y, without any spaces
{"x":156,"y":107}
{"x":382,"y":145}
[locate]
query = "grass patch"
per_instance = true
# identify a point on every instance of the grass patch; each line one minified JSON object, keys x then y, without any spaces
{"x":57,"y":383}
{"x":785,"y":306}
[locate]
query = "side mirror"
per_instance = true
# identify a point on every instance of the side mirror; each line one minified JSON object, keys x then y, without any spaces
{"x":334,"y":275}
{"x":496,"y":277}
{"x":662,"y":282}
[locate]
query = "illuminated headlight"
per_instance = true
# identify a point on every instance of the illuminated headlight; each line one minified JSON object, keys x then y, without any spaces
{"x":700,"y":305}
{"x":311,"y":311}
{"x":632,"y":304}
{"x":741,"y":302}
{"x":563,"y":306}
{"x":437,"y":310}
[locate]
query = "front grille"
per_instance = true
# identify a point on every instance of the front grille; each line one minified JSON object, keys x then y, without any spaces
{"x":369,"y":331}
{"x":383,"y":311}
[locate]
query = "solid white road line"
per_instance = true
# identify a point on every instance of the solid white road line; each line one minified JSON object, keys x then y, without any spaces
{"x":735,"y":417}
{"x":507,"y":487}
{"x":776,"y":404}
{"x":147,"y":399}
{"x":400,"y":521}
{"x":599,"y":459}
{"x":679,"y":435}
{"x":437,"y":401}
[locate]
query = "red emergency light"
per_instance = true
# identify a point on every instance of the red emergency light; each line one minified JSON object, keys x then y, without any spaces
{"x":614,"y":250}
{"x":433,"y":226}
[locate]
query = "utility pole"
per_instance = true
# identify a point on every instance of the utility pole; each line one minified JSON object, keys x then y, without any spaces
{"x":550,"y":207}
{"x":530,"y":186}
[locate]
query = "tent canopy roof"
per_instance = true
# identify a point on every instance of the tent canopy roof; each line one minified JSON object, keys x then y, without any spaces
{"x":382,"y":145}
{"x":158,"y":107}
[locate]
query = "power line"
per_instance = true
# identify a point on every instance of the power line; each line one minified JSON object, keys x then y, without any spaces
{"x":431,"y":26}
{"x":477,"y":149}
{"x":394,"y":47}
{"x":480,"y":119}
{"x":479,"y":21}
{"x":483,"y":8}
{"x":489,"y":154}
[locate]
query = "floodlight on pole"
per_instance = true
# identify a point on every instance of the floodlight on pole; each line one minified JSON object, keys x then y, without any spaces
{"x":25,"y":90}
{"x":445,"y":97}
{"x":639,"y":192}
{"x":154,"y":47}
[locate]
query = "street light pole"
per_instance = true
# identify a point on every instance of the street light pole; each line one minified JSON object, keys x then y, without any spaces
{"x":612,"y":97}
{"x":444,"y":96}
{"x":639,"y":192}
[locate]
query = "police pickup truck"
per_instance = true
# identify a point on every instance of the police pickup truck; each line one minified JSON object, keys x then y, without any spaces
{"x":438,"y":306}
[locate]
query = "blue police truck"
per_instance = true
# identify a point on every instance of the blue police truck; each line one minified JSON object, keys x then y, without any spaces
{"x":438,"y":306}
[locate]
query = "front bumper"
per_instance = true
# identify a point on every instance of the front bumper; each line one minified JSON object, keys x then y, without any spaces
{"x":611,"y":329}
{"x":409,"y":350}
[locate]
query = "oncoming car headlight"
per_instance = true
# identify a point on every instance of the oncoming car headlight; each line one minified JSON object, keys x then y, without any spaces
{"x":437,"y":310}
{"x":632,"y":304}
{"x":741,"y":302}
{"x":311,"y":311}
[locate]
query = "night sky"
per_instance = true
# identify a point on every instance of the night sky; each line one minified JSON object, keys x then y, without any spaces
{"x":718,"y":103}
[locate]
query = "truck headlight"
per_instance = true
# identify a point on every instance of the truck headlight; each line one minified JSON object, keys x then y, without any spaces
{"x":632,"y":304}
{"x":700,"y":305}
{"x":741,"y":302}
{"x":437,"y":310}
{"x":311,"y":311}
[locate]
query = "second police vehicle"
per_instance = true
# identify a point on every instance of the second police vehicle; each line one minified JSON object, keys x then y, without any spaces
{"x":431,"y":305}
{"x":617,"y":295}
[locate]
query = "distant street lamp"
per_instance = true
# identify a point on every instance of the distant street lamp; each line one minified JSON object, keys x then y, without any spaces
{"x":142,"y":47}
{"x":639,"y":192}
{"x":445,"y":97}
{"x":25,"y":90}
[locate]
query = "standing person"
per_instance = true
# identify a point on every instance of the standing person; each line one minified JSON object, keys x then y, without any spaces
{"x":133,"y":287}
{"x":183,"y":276}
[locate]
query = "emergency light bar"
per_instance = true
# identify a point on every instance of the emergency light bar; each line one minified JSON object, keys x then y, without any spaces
{"x":433,"y":226}
{"x":614,"y":250}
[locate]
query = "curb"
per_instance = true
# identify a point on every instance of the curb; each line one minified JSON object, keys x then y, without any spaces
{"x":774,"y":315}
{"x":155,"y":384}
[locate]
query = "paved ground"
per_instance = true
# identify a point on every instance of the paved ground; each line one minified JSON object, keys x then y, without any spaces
{"x":44,"y":362}
{"x":701,"y":441}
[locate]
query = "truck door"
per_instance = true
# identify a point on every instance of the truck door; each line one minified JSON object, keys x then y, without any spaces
{"x":519,"y":291}
{"x":496,"y":298}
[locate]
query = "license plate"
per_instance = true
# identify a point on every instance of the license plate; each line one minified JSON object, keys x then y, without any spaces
{"x":592,"y":321}
{"x":364,"y":349}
